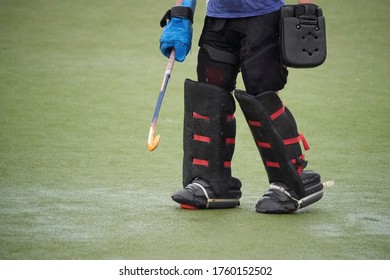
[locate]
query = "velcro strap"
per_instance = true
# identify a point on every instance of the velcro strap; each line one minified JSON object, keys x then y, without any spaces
{"x":289,"y":141}
{"x":182,"y":12}
{"x":178,"y":12}
{"x":297,"y":140}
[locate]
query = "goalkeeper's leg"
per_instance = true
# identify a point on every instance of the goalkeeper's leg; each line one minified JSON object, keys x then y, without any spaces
{"x":275,"y":132}
{"x":209,"y":140}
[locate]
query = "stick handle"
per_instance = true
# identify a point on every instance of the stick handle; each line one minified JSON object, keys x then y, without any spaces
{"x":170,"y":63}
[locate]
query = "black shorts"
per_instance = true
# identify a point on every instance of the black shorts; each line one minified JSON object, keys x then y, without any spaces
{"x":249,"y":45}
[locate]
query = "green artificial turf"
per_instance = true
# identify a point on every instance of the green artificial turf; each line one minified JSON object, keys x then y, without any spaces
{"x":78,"y":84}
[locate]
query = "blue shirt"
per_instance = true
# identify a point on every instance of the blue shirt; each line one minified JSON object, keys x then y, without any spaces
{"x":241,"y":8}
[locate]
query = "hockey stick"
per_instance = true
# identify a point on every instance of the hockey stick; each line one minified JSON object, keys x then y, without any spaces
{"x":153,"y":141}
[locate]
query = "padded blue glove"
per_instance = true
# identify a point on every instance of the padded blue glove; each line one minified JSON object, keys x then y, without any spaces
{"x":177,"y":33}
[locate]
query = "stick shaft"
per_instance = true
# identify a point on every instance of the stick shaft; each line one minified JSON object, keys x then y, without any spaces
{"x":163,"y":88}
{"x":153,"y":142}
{"x":167,"y":75}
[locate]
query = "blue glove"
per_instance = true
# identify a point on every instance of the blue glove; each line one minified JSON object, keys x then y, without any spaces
{"x":177,"y":33}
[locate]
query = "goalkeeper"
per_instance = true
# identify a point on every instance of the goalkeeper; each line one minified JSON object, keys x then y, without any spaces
{"x":238,"y":36}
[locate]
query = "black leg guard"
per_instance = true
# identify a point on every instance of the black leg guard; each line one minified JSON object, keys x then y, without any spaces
{"x":275,"y":132}
{"x":209,"y":140}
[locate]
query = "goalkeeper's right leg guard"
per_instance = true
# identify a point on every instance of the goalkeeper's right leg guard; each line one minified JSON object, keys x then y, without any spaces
{"x":209,"y":140}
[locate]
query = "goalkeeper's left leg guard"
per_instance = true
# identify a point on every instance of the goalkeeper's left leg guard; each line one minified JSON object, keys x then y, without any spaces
{"x":275,"y":133}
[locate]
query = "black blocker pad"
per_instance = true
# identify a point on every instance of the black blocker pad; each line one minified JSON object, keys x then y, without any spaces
{"x":302,"y":36}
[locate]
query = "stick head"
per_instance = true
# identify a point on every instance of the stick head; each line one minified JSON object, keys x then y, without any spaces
{"x":153,"y":142}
